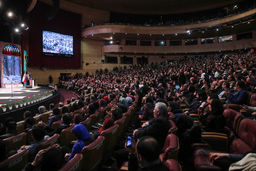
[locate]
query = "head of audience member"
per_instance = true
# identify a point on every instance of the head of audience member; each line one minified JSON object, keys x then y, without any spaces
{"x":38,"y":132}
{"x":41,"y":109}
{"x":28,"y":114}
{"x":67,"y":118}
{"x":51,"y":106}
{"x":160,"y":110}
{"x":53,"y":158}
{"x":147,"y":151}
{"x":64,"y":109}
{"x":216,"y":107}
{"x":81,"y":132}
{"x":116,"y":114}
{"x":29,"y":122}
{"x":78,"y":118}
{"x":61,"y":104}
{"x":68,"y":101}
{"x":10,"y":125}
{"x":56,"y":111}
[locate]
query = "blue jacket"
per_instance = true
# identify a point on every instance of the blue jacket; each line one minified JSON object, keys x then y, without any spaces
{"x":82,"y":135}
{"x":240,"y":98}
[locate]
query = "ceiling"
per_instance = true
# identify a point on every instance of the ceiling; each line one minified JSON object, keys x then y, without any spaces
{"x":154,"y":6}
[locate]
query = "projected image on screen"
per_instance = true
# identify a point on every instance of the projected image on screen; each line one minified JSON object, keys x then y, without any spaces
{"x":11,"y":69}
{"x":56,"y":43}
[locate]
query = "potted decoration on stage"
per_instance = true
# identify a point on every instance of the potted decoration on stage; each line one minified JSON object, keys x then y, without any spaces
{"x":4,"y":107}
{"x":10,"y":106}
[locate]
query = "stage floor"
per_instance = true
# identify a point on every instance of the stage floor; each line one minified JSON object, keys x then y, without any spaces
{"x":16,"y":92}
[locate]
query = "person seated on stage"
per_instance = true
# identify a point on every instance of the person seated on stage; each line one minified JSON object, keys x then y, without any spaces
{"x":10,"y":126}
{"x":146,"y":156}
{"x":84,"y":138}
{"x":41,"y":109}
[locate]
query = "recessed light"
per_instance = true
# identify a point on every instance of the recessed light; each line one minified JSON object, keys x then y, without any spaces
{"x":10,"y":14}
{"x":22,"y":25}
{"x":17,"y":30}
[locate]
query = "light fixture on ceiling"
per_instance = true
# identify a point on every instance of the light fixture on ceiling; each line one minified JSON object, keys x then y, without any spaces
{"x":188,"y":32}
{"x":22,"y":25}
{"x":17,"y":30}
{"x":10,"y":14}
{"x":217,"y":29}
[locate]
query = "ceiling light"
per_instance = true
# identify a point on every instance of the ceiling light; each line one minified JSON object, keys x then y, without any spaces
{"x":248,"y":22}
{"x":17,"y":30}
{"x":10,"y":14}
{"x":111,"y":38}
{"x":232,"y":26}
{"x":111,"y":42}
{"x":188,"y":32}
{"x":22,"y":25}
{"x":176,"y":34}
{"x":217,"y":29}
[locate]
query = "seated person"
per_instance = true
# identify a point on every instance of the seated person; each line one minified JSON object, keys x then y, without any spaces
{"x":41,"y":109}
{"x":157,"y":127}
{"x":56,"y":116}
{"x":110,"y":119}
{"x":66,"y":120}
{"x":39,"y":136}
{"x":10,"y":126}
{"x":84,"y":138}
{"x":240,"y":96}
{"x":50,"y":159}
{"x":147,"y":152}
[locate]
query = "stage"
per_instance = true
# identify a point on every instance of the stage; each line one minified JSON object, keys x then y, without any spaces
{"x":13,"y":93}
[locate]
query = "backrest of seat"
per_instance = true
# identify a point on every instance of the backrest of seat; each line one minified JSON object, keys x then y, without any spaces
{"x":217,"y":141}
{"x":20,"y":126}
{"x":172,"y":165}
{"x":37,"y":118}
{"x":111,"y":137}
{"x":15,"y":142}
{"x":247,"y":132}
{"x":66,"y":136}
{"x":173,"y":127}
{"x":93,"y":153}
{"x":56,"y":124}
{"x":253,"y":100}
{"x":121,"y":123}
{"x":231,"y":117}
{"x":15,"y":162}
{"x":52,"y":140}
{"x":74,"y":164}
{"x":87,"y":123}
{"x":171,"y":147}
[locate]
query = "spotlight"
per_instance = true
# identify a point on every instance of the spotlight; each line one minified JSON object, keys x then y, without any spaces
{"x":17,"y":30}
{"x":111,"y":42}
{"x":22,"y":25}
{"x":10,"y":14}
{"x":217,"y":29}
{"x":162,"y":42}
{"x":111,"y":38}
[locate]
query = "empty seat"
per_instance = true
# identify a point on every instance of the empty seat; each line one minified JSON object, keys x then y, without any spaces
{"x":15,"y":162}
{"x":74,"y":164}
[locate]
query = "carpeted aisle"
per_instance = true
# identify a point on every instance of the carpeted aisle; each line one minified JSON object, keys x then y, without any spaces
{"x":66,"y":94}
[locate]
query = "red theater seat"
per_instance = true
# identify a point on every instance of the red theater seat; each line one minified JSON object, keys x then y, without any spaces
{"x":253,"y":100}
{"x":74,"y":164}
{"x":15,"y":142}
{"x":66,"y":136}
{"x":93,"y":154}
{"x":171,"y":147}
{"x":111,"y":137}
{"x":15,"y":162}
{"x":172,"y":165}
